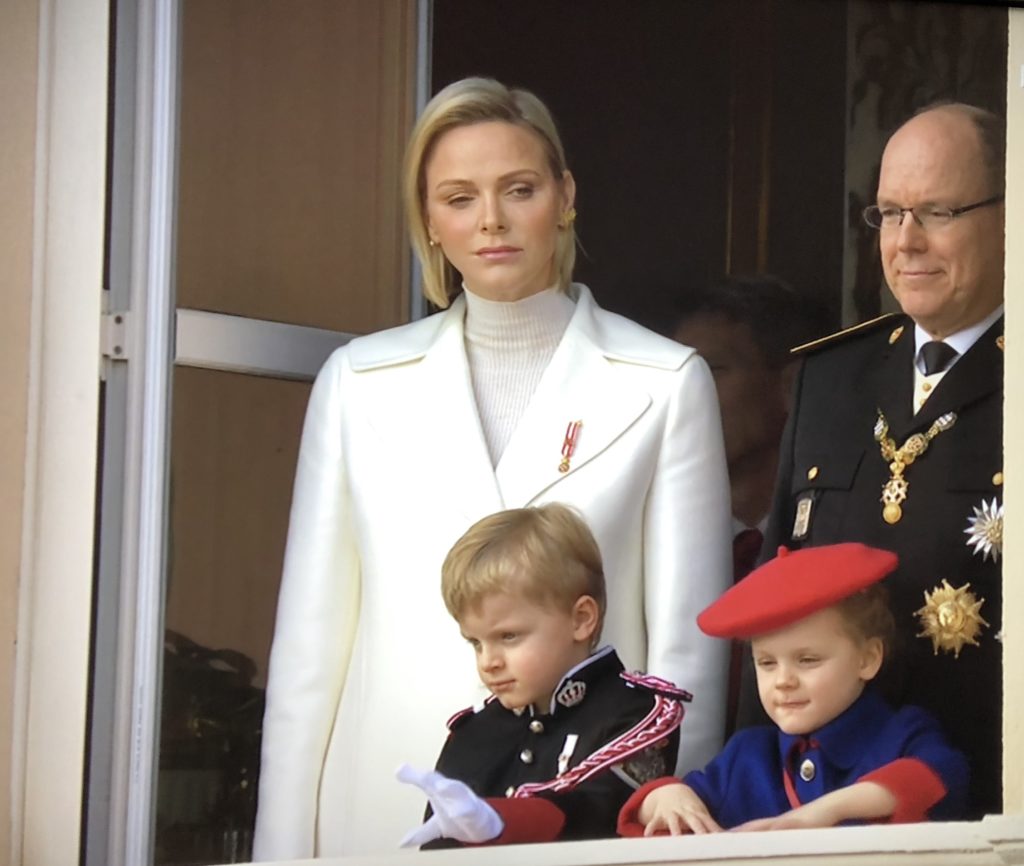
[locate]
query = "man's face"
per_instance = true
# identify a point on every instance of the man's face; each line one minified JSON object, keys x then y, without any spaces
{"x":949,"y":277}
{"x":751,"y":395}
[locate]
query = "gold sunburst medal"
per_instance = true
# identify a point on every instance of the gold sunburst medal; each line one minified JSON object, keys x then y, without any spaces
{"x":950,"y":618}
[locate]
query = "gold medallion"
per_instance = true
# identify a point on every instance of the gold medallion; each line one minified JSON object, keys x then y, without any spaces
{"x":950,"y":618}
{"x":891,"y":513}
{"x":895,"y":490}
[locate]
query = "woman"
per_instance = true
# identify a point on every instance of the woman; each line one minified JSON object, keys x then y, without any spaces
{"x":522,"y":391}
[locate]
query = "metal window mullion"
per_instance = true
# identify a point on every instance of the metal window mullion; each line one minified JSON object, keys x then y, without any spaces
{"x":149,"y":413}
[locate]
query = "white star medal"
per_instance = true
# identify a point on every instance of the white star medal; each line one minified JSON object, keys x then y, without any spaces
{"x":985,"y":530}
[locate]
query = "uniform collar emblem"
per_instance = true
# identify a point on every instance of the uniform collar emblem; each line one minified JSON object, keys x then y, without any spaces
{"x":572,"y":693}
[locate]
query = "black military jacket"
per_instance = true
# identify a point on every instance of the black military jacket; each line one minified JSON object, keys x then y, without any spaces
{"x":627,"y":732}
{"x":832,"y":464}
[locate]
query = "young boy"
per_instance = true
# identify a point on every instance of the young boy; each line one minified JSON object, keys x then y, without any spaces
{"x":818,"y":623}
{"x":566,"y":735}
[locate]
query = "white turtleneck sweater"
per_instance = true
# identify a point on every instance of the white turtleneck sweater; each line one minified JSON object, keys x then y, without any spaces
{"x":508,"y":346}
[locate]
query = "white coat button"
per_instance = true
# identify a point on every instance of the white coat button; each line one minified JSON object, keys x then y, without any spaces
{"x":537,"y":726}
{"x":526,"y":756}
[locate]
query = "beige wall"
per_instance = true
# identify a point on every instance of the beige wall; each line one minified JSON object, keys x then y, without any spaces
{"x":18,"y":60}
{"x":53,"y":89}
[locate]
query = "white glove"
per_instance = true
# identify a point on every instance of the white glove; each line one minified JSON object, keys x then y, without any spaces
{"x":458,"y":812}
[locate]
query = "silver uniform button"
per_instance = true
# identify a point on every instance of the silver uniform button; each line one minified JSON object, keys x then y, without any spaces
{"x":526,"y":756}
{"x":510,"y":790}
{"x":807,"y":770}
{"x":537,"y":726}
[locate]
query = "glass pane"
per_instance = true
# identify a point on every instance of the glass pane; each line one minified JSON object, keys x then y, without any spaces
{"x":234,"y":443}
{"x":293,"y":120}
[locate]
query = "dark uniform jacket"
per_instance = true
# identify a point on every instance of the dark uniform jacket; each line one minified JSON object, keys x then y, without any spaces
{"x":831,"y":462}
{"x":763,"y":772}
{"x":626,"y":730}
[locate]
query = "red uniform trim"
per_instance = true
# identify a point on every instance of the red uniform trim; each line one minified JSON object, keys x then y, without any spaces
{"x":532,"y":820}
{"x":665,"y":716}
{"x":915,"y":785}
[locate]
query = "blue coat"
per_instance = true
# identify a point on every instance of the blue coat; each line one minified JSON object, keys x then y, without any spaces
{"x":745,"y":781}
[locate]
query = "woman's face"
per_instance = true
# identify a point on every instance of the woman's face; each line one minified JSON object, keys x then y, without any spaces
{"x":494,"y":206}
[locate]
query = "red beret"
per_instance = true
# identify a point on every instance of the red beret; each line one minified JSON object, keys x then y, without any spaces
{"x":793,"y":585}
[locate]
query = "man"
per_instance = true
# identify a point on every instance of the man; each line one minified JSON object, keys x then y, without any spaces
{"x":896,"y":441}
{"x":744,"y":328}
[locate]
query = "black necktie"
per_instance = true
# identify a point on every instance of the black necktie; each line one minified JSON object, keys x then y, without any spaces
{"x":936,"y":356}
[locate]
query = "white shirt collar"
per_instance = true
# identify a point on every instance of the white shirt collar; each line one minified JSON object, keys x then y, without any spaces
{"x":961,"y":340}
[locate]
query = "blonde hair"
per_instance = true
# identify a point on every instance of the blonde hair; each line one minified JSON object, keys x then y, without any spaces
{"x":465,"y":102}
{"x":545,"y":554}
{"x":866,"y":614}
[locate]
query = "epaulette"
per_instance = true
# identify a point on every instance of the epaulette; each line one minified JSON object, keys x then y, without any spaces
{"x":462,"y":715}
{"x":657,"y":685}
{"x":846,"y":333}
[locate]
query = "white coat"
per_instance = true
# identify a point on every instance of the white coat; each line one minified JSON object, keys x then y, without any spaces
{"x":366,"y":664}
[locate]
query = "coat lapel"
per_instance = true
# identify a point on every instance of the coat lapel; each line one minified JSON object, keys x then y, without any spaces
{"x":580,"y":384}
{"x":893,"y":382}
{"x":450,"y":434}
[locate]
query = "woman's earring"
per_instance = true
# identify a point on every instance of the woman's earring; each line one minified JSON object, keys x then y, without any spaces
{"x":432,"y":242}
{"x":568,"y":218}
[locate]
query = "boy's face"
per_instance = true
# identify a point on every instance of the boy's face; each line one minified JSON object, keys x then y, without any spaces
{"x":523,"y":649}
{"x":811,"y":671}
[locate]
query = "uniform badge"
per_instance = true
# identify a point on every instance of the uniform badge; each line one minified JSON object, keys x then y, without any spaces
{"x":895,"y":335}
{"x":950,"y":618}
{"x":572,"y":693}
{"x":802,"y":521}
{"x":985,"y":530}
{"x":565,"y":756}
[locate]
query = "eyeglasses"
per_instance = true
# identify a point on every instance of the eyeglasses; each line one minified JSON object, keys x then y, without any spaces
{"x":928,"y":216}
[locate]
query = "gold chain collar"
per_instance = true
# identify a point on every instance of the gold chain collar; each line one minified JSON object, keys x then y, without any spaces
{"x":895,"y":490}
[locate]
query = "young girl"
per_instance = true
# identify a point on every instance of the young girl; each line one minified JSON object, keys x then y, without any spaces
{"x":819,"y":624}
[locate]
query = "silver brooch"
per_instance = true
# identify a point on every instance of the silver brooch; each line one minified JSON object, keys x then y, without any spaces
{"x":985,"y":530}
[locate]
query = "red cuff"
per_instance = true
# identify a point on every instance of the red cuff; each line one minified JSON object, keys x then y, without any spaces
{"x":629,"y":820}
{"x":915,"y":785}
{"x":527,"y":819}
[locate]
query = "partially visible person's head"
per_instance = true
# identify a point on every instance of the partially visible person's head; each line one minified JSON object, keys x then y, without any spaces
{"x":744,"y":328}
{"x":946,"y":277}
{"x":819,"y":625}
{"x":485,"y":170}
{"x":527,"y":589}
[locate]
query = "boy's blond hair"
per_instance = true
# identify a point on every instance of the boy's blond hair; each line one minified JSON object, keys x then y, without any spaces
{"x":545,"y":554}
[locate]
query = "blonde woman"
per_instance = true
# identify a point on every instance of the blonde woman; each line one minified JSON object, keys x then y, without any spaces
{"x":521,"y":391}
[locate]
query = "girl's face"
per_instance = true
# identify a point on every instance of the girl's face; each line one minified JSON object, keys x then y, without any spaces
{"x":494,"y":206}
{"x":810,"y":672}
